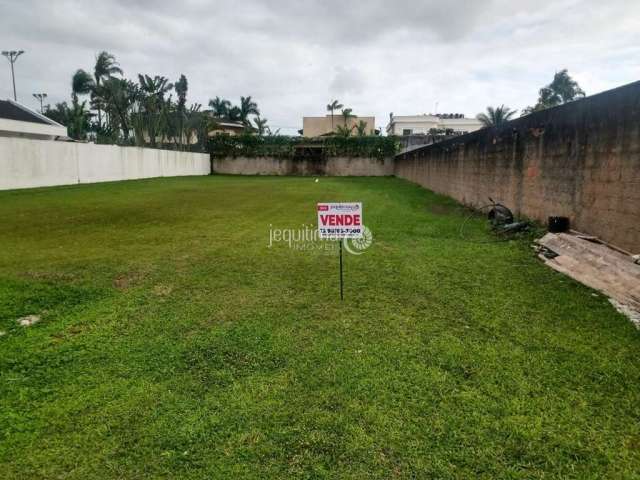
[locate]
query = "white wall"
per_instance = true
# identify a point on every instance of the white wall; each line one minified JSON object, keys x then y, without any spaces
{"x":18,"y":128}
{"x":423,"y":123}
{"x":26,"y":163}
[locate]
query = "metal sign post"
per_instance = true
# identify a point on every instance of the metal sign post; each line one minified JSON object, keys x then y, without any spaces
{"x":341,"y":281}
{"x":337,"y":221}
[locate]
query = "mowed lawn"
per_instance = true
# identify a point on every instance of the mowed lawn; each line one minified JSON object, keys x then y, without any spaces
{"x":174,"y":343}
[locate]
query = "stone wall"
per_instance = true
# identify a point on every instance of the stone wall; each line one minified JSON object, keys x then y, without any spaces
{"x":334,"y":166}
{"x":580,"y":160}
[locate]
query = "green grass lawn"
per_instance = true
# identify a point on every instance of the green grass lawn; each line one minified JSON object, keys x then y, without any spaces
{"x":174,"y":343}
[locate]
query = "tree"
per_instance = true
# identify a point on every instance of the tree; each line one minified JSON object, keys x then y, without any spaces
{"x":346,"y":115}
{"x":118,"y":95}
{"x":332,"y":107}
{"x":155,"y":109}
{"x":58,"y":114}
{"x":105,"y":67}
{"x":361,"y":128}
{"x":76,"y":118}
{"x":261,"y":125}
{"x":181,"y":87}
{"x":248,"y":107}
{"x":495,"y":117}
{"x":81,"y":83}
{"x":343,"y":131}
{"x":561,"y":90}
{"x":220,"y":107}
{"x":234,"y":114}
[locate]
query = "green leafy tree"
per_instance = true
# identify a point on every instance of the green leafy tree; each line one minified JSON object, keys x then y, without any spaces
{"x":261,"y":125}
{"x":343,"y":131}
{"x":181,"y":87}
{"x":82,"y":83}
{"x":234,"y":114}
{"x":561,"y":90}
{"x":496,"y":116}
{"x":77,"y":117}
{"x":220,"y":107}
{"x":361,"y":128}
{"x":105,"y":67}
{"x":154,"y":108}
{"x":332,"y":107}
{"x":58,"y":114}
{"x":248,"y":107}
{"x":118,"y":96}
{"x":347,"y":113}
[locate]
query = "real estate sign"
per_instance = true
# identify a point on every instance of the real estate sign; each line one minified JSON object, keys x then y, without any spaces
{"x":340,"y":220}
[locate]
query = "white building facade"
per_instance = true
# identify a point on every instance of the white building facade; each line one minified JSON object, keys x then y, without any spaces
{"x":424,"y":124}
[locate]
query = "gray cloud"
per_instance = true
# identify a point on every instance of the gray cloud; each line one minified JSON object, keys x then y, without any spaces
{"x":293,"y":56}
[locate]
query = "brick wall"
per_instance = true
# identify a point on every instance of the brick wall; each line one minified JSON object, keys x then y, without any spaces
{"x":580,"y":160}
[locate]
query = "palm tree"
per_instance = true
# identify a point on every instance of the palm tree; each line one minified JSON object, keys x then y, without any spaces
{"x":105,"y":67}
{"x":346,"y":115}
{"x":332,"y":107}
{"x":361,"y":128}
{"x":248,"y":107}
{"x":495,"y":117}
{"x":118,"y":96}
{"x":261,"y":125}
{"x":343,"y":131}
{"x":181,"y":87}
{"x":220,"y":107}
{"x":157,"y":86}
{"x":155,"y":108}
{"x":78,"y":120}
{"x":234,"y":114}
{"x":81,"y":83}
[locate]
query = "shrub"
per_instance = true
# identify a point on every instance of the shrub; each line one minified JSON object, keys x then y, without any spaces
{"x":281,"y":146}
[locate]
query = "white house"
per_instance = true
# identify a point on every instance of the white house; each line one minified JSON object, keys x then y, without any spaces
{"x":422,"y":124}
{"x":16,"y":120}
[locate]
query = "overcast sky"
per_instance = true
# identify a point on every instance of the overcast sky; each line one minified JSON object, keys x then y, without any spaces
{"x":293,"y":57}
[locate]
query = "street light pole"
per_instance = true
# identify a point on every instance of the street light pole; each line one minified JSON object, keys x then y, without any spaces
{"x":41,"y":97}
{"x":12,"y":56}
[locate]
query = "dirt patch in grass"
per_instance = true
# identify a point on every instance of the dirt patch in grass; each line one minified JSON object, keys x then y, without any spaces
{"x":127,"y":280}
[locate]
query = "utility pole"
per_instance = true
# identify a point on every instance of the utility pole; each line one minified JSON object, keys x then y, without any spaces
{"x":41,"y":97}
{"x":12,"y":56}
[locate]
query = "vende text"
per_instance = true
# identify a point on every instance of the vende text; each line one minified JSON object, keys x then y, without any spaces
{"x":338,"y":220}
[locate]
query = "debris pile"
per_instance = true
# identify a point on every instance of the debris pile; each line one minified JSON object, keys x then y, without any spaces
{"x":28,"y":320}
{"x":597,"y":265}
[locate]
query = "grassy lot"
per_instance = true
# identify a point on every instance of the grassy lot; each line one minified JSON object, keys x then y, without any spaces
{"x":174,"y":343}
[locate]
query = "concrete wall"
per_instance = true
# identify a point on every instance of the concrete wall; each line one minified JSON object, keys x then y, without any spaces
{"x":580,"y":160}
{"x":26,"y":163}
{"x":336,"y":166}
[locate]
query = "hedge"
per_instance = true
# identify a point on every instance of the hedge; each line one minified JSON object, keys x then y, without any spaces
{"x":281,"y":146}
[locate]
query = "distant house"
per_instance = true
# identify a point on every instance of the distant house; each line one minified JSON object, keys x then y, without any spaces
{"x":319,"y":126}
{"x":16,"y":120}
{"x":225,"y":126}
{"x":424,"y":124}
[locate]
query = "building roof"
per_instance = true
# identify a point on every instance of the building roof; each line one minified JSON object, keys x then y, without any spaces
{"x":20,"y":121}
{"x":14,"y":111}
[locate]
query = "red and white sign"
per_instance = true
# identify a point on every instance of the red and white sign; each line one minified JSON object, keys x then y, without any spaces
{"x":340,"y":220}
